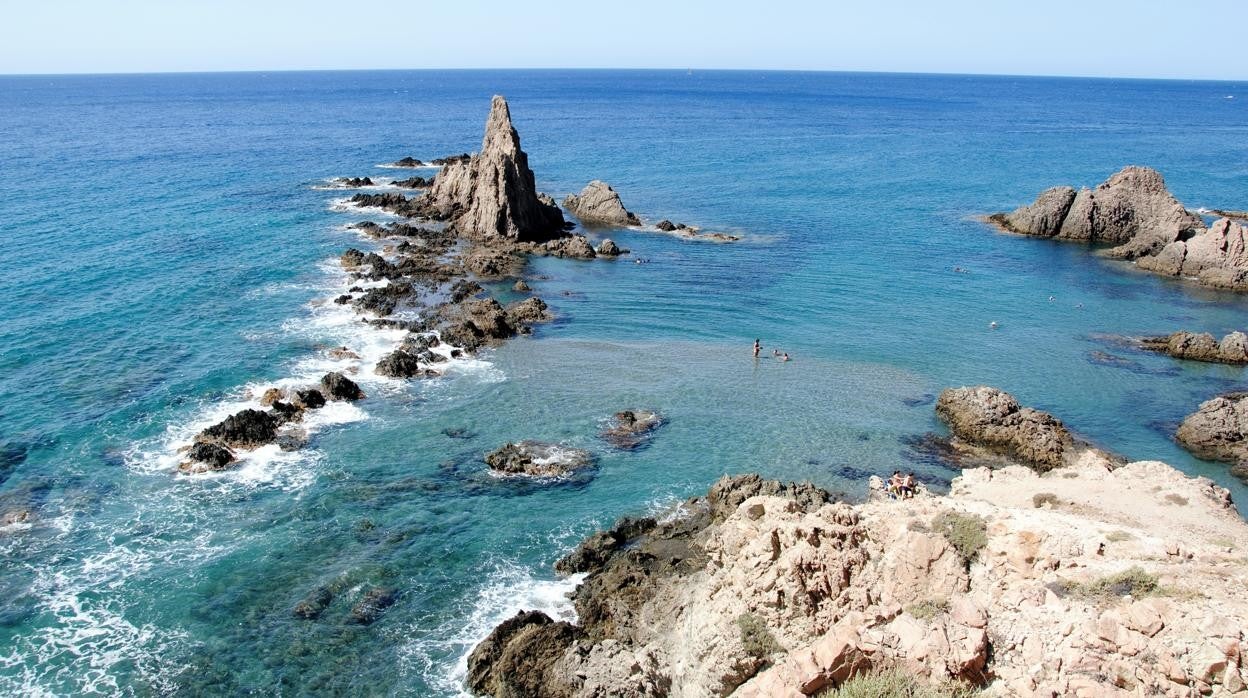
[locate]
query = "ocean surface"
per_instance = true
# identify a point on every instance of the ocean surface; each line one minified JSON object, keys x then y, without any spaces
{"x":170,"y":249}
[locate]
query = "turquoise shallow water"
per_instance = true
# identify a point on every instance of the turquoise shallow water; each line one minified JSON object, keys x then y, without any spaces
{"x":169,"y":248}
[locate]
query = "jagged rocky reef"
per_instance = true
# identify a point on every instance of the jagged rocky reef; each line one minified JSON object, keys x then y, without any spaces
{"x":1135,"y":212}
{"x":1091,"y":578}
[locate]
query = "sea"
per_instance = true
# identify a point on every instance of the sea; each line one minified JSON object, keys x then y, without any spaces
{"x":171,"y":246}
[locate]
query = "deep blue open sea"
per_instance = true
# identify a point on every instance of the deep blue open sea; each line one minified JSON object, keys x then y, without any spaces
{"x":168,"y":248}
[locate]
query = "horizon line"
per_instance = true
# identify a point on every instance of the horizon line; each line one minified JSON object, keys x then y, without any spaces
{"x":252,"y":71}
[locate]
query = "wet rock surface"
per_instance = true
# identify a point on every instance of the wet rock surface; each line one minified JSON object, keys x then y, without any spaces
{"x":631,"y":429}
{"x":336,"y":386}
{"x":537,"y":459}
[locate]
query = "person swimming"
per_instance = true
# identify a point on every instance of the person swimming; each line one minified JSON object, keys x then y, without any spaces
{"x":757,"y":348}
{"x":992,"y":325}
{"x":785,"y":357}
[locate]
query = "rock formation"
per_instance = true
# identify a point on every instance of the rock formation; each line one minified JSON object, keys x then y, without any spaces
{"x":537,"y":459}
{"x":1121,"y":582}
{"x":1233,"y":349}
{"x":631,"y":429}
{"x":1134,"y":211}
{"x":336,"y":386}
{"x":1216,"y":257}
{"x":993,"y":419}
{"x":492,"y":195}
{"x":1219,"y":431}
{"x":599,"y":204}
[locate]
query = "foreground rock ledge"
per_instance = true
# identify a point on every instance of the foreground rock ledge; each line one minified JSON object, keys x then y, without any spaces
{"x":1091,"y":579}
{"x":1219,"y":431}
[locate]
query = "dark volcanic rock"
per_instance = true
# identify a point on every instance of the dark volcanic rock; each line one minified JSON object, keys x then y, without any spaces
{"x":390,"y":201}
{"x":442,"y":162}
{"x":520,"y":658}
{"x":413,"y":183}
{"x":593,"y":552}
{"x":993,"y":419}
{"x":492,"y":195}
{"x":352,"y":258}
{"x":286,"y":412}
{"x":665,"y":225}
{"x":630,"y":429}
{"x":309,"y":398}
{"x":398,"y":364}
{"x":537,"y":459}
{"x":491,"y":262}
{"x":409,"y":162}
{"x":599,"y":203}
{"x":353,"y":182}
{"x":246,"y":429}
{"x":204,"y":456}
{"x":336,"y":386}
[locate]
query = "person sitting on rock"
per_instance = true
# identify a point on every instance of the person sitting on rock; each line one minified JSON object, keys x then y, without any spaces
{"x":894,"y":484}
{"x":908,"y":486}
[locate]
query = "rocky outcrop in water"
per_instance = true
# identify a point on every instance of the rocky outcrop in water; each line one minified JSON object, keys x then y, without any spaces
{"x":631,"y":429}
{"x":537,"y":459}
{"x":492,"y":195}
{"x":353,"y":182}
{"x":1219,"y":431}
{"x":599,"y":204}
{"x":1134,"y":211}
{"x":993,"y":419}
{"x":394,"y":203}
{"x":336,"y":386}
{"x":398,"y":364}
{"x":412,"y":183}
{"x":246,"y":429}
{"x":407,"y":162}
{"x":1232,"y":349}
{"x":1216,"y":257}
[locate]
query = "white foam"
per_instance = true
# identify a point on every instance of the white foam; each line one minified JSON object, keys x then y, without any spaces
{"x":509,"y":590}
{"x":392,"y":166}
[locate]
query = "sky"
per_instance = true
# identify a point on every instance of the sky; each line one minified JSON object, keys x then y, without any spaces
{"x":1110,"y":38}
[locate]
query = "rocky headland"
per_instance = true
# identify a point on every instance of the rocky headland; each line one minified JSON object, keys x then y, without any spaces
{"x":1089,"y":578}
{"x":1136,"y":214}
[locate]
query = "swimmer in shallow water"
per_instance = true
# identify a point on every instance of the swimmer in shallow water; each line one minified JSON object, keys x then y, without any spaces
{"x":784,"y":357}
{"x":757,"y":348}
{"x":992,"y":325}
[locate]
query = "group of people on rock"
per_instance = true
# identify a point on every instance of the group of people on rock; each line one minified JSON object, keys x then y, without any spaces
{"x":758,"y":347}
{"x":902,"y":486}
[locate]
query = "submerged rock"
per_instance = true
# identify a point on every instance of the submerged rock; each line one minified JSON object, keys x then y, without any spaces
{"x":398,"y":364}
{"x":1232,"y":349}
{"x":338,"y":387}
{"x":993,"y":419}
{"x":492,"y":195}
{"x":599,"y":203}
{"x":537,"y":459}
{"x":314,"y":604}
{"x":370,"y":607}
{"x":630,"y":429}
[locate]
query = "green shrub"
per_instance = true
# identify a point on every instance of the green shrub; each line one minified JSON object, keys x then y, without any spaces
{"x":755,"y":637}
{"x":928,"y":609}
{"x":968,"y":534}
{"x":897,"y":684}
{"x":1040,"y":499}
{"x":1134,"y":581}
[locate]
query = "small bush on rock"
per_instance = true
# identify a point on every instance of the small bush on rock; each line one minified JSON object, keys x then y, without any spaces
{"x":755,"y":636}
{"x":967,"y":533}
{"x":897,"y":684}
{"x":1041,"y":498}
{"x":929,"y":609}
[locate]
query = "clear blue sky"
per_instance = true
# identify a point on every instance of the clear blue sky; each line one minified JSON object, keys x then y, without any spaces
{"x":1121,"y":38}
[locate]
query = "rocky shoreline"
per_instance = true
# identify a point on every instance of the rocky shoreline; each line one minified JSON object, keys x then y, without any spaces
{"x":1071,"y":574}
